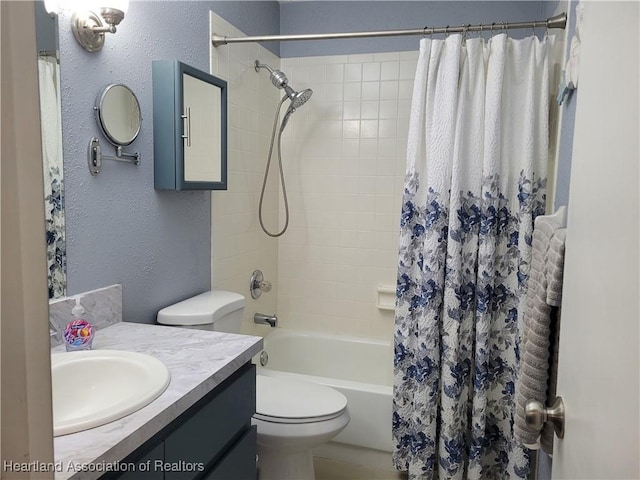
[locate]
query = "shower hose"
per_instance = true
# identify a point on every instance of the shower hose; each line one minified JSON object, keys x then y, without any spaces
{"x":266,"y":173}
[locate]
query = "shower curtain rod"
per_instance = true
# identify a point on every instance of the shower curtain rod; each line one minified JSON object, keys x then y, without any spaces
{"x":558,"y":21}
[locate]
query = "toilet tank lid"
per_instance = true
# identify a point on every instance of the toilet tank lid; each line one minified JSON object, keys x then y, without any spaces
{"x":202,"y":309}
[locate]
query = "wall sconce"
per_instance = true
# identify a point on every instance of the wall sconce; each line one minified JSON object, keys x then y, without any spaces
{"x":52,"y":7}
{"x":89,"y":29}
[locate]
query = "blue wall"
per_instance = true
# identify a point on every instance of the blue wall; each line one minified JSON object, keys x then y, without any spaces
{"x":119,"y":229}
{"x":345,"y":16}
{"x":157,"y":243}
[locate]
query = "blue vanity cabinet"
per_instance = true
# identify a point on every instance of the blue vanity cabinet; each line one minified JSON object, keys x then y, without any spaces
{"x":136,"y":469}
{"x":189,"y":128}
{"x":212,"y":440}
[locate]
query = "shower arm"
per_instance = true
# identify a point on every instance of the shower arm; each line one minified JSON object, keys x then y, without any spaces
{"x":257,"y":65}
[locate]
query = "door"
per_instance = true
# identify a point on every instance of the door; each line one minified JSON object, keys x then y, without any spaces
{"x":203,"y":130}
{"x":599,"y":344}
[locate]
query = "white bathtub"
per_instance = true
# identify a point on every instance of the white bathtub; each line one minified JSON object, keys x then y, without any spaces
{"x":361,"y":369}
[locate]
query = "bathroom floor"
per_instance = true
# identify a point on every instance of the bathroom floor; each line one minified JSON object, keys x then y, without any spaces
{"x":327,"y":469}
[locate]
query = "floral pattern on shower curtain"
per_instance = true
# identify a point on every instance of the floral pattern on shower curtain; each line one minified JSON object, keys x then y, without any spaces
{"x":475,"y":181}
{"x":51,"y":128}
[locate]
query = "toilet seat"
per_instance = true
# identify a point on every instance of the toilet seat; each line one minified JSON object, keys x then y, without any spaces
{"x":280,"y":400}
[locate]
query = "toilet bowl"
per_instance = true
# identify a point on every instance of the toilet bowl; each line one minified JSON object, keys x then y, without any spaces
{"x":292,"y":417}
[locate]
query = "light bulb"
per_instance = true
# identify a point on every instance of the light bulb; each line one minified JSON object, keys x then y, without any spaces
{"x":51,"y":6}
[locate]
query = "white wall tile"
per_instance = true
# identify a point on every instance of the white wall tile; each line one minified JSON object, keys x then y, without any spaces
{"x":343,"y":155}
{"x":389,"y":71}
{"x":370,"y":90}
{"x":386,"y":57}
{"x":371,"y":72}
{"x":408,"y":69}
{"x":369,"y":109}
{"x":351,"y":129}
{"x":369,"y":129}
{"x":361,"y":58}
{"x":352,"y":91}
{"x":351,"y":110}
{"x":335,"y":73}
{"x":353,"y":72}
{"x":238,"y":245}
{"x":389,"y":90}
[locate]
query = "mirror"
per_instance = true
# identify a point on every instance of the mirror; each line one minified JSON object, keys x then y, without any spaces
{"x":118,"y":114}
{"x":51,"y":125}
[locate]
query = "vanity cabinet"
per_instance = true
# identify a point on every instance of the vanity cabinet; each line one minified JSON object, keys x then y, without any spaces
{"x":189,"y":128}
{"x":212,"y":440}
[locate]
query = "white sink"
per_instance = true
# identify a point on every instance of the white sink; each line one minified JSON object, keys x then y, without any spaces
{"x":94,"y":387}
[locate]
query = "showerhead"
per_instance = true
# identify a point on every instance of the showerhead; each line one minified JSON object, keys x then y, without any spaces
{"x":297,"y":98}
{"x":300,"y":98}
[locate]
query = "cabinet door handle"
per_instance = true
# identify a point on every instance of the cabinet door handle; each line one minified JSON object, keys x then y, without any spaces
{"x":187,"y":129}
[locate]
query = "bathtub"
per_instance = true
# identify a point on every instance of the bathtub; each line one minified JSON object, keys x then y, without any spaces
{"x":361,"y":369}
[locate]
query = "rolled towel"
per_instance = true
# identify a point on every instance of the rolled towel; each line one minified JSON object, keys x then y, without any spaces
{"x":544,"y":290}
{"x":555,"y":269}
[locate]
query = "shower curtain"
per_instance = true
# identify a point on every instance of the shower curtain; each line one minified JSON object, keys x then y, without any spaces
{"x":52,"y":169}
{"x":475,"y":181}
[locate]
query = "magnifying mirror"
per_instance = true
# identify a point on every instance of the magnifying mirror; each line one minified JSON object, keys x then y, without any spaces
{"x":118,"y":114}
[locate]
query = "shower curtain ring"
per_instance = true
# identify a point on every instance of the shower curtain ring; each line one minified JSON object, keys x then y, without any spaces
{"x":424,"y":31}
{"x":492,"y":26}
{"x":465,"y":33}
{"x":504,"y":27}
{"x":546,"y":29}
{"x":446,"y":31}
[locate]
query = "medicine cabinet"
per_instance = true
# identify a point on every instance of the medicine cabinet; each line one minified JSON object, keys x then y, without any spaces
{"x":189,"y":128}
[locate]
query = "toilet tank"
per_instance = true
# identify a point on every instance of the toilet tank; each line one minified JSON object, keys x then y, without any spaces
{"x":216,"y":310}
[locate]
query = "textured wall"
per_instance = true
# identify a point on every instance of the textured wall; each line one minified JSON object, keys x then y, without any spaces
{"x":157,"y":244}
{"x":352,"y":16}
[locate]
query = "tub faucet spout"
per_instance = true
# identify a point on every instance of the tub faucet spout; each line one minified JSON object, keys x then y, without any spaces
{"x":264,"y":319}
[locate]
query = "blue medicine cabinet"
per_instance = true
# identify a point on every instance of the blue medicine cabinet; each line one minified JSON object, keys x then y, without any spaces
{"x":189,"y":128}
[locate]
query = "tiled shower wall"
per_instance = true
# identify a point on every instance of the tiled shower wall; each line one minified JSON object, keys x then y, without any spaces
{"x":344,"y":160}
{"x":238,"y":245}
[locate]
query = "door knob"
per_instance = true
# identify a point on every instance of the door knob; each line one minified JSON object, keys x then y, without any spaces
{"x":535,"y":415}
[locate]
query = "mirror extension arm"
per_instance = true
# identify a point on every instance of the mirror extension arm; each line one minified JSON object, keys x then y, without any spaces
{"x":95,"y":156}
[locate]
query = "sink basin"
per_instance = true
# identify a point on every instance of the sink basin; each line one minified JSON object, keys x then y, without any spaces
{"x":94,"y":387}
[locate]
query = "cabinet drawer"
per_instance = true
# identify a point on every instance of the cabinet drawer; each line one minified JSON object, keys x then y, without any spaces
{"x":143,"y":465}
{"x":212,"y":425}
{"x":240,"y":462}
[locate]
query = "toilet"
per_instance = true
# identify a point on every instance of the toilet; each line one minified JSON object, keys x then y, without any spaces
{"x":292,"y":417}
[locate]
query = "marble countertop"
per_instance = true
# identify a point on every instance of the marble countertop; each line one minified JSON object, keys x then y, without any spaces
{"x":198,"y":360}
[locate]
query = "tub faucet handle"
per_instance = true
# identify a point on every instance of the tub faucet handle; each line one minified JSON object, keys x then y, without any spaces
{"x":264,"y":319}
{"x":259,"y":284}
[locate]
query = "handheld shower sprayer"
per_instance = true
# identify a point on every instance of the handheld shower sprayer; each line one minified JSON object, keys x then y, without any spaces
{"x":297,"y":99}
